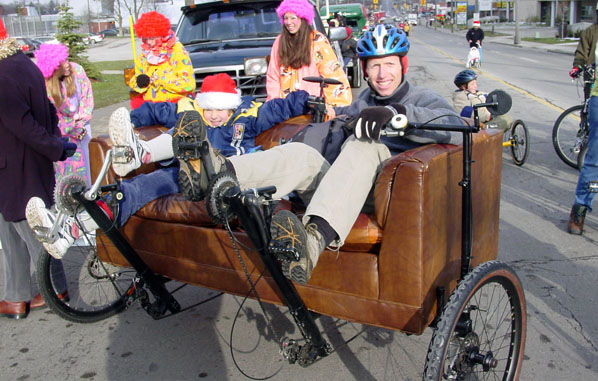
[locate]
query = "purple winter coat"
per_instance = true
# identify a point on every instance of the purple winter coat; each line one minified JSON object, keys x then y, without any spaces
{"x":29,"y":137}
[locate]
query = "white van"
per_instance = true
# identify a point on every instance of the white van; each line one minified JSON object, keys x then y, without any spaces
{"x":412,"y":18}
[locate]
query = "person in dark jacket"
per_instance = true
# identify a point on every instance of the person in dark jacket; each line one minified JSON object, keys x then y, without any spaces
{"x":475,"y":35}
{"x":30,"y":142}
{"x":349,"y":47}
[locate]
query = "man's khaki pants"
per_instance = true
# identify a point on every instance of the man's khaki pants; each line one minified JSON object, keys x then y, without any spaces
{"x":335,"y":193}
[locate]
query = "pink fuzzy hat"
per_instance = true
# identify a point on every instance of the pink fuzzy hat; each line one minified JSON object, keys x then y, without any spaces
{"x":302,"y":8}
{"x":49,"y":57}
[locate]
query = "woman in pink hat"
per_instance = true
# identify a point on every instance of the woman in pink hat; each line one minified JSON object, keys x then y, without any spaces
{"x":298,"y":52}
{"x":69,"y":90}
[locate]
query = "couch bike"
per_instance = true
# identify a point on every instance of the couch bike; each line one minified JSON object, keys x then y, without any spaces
{"x":425,"y":258}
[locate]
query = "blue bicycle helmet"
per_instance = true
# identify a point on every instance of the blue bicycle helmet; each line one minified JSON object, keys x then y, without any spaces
{"x":382,"y":40}
{"x":464,"y":77}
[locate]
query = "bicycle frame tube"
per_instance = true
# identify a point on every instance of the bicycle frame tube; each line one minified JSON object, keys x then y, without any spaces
{"x":164,"y":298}
{"x":245,"y":206}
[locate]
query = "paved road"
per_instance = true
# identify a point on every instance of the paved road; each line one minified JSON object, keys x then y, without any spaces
{"x":558,"y":271}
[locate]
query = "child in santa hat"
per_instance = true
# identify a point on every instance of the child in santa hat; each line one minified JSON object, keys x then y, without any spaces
{"x":229,"y":121}
{"x":163,"y":72}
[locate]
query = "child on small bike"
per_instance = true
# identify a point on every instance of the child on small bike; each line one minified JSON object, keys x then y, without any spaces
{"x":232,"y":123}
{"x":467,"y":95}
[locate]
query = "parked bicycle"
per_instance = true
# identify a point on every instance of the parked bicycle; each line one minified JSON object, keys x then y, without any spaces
{"x":570,"y":131}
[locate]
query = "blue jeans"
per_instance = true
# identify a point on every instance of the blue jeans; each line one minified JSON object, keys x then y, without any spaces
{"x":589,"y":171}
{"x":145,"y":188}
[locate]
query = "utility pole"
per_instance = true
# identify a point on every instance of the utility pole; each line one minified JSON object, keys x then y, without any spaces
{"x":517,"y":39}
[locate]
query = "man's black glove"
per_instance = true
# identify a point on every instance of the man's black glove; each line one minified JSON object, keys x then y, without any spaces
{"x":143,"y":80}
{"x":68,"y":149}
{"x":372,"y":120}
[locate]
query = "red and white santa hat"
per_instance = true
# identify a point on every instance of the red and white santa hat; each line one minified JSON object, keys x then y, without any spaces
{"x":218,"y":92}
{"x":476,"y":22}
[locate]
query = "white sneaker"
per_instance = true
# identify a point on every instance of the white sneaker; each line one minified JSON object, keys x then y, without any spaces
{"x":127,"y":147}
{"x":41,"y":220}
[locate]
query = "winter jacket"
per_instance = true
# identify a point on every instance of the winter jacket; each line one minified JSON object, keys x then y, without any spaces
{"x":586,"y":47}
{"x":29,"y":136}
{"x":349,"y":48}
{"x":170,"y":80}
{"x":324,"y":63}
{"x":237,"y":135}
{"x":465,"y":98}
{"x":475,"y":35}
{"x":421,"y":105}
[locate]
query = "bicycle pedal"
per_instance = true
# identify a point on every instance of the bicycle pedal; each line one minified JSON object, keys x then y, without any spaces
{"x":283,"y":253}
{"x":42,"y":235}
{"x":122,"y":154}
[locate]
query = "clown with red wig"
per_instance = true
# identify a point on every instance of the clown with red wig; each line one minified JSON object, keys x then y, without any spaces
{"x":70,"y":91}
{"x":163,"y":72}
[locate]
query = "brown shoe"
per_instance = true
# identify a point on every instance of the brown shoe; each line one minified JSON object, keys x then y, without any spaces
{"x":576,"y":219}
{"x":37,"y":303}
{"x":13,"y":310}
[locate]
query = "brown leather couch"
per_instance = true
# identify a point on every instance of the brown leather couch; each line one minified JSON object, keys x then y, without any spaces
{"x":387,"y":273}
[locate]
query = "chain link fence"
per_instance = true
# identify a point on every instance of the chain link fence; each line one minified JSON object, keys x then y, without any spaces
{"x":31,"y":26}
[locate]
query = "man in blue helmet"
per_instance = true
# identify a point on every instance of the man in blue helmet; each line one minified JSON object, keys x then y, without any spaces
{"x":335,"y":194}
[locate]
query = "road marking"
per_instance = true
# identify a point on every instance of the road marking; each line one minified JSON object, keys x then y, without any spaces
{"x":519,"y":90}
{"x":528,"y":59}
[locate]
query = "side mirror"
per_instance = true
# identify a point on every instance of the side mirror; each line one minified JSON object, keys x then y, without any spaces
{"x":337,"y":34}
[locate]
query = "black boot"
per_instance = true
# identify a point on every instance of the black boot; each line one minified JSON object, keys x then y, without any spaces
{"x":576,"y":219}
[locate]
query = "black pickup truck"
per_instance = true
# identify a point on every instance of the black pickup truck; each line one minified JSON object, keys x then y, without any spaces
{"x":233,"y":37}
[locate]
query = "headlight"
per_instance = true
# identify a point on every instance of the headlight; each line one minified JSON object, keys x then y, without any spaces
{"x":256,"y":66}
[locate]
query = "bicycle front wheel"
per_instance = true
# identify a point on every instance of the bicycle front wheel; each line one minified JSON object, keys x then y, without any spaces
{"x":569,"y":134}
{"x":95,"y":290}
{"x":519,"y":137}
{"x":482,"y":329}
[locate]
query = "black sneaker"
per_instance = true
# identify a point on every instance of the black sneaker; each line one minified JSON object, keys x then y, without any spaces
{"x":189,"y":134}
{"x":288,"y":230}
{"x":576,"y":219}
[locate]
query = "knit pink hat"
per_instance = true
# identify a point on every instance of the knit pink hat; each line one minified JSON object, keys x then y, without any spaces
{"x":302,"y":8}
{"x":218,"y":92}
{"x":49,"y":57}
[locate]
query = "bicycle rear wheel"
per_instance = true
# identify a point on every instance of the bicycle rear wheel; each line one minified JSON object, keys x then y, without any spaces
{"x":519,"y":137}
{"x":96,"y":290}
{"x":570,"y":133}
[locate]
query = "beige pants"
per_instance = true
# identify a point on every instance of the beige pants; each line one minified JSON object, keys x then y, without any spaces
{"x":337,"y":192}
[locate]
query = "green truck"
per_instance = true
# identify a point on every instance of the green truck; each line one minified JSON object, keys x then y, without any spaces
{"x":355,"y":14}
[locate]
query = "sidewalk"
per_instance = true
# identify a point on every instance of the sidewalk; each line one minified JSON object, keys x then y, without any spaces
{"x":99,"y":120}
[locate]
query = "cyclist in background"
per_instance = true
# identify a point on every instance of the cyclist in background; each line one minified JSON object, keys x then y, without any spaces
{"x":467,"y":95}
{"x":587,"y":183}
{"x":585,"y":52}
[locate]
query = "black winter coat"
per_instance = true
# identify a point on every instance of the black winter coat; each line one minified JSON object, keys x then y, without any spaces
{"x":474,"y":35}
{"x":29,"y":137}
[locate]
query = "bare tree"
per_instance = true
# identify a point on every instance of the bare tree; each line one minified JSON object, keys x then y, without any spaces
{"x":134,"y":7}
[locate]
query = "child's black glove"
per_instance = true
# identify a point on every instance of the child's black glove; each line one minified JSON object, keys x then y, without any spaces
{"x":143,"y":80}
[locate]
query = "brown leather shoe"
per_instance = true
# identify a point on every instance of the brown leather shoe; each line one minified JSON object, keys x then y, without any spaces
{"x":576,"y":219}
{"x":38,"y":302}
{"x":13,"y":310}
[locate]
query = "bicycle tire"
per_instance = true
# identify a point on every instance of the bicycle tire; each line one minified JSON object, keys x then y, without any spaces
{"x":491,"y":284}
{"x":96,"y":290}
{"x":519,"y":136}
{"x":567,"y":132}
